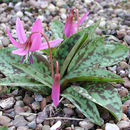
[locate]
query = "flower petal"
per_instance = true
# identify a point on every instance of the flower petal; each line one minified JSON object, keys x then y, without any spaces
{"x":36,"y":37}
{"x":20,"y":31}
{"x":56,"y":90}
{"x":83,"y":18}
{"x":53,"y":43}
{"x":15,"y":43}
{"x":20,"y":52}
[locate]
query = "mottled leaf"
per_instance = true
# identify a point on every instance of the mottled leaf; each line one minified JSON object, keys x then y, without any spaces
{"x":97,"y":54}
{"x":57,"y":28}
{"x":103,"y":94}
{"x":87,"y":107}
{"x":86,"y":74}
{"x":4,"y":128}
{"x":25,"y":82}
{"x":41,"y":77}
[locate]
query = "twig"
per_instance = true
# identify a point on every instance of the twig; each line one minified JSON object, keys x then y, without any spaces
{"x":63,"y":118}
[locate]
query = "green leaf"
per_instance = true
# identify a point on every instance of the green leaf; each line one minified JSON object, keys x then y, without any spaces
{"x":97,"y":75}
{"x":103,"y":94}
{"x":25,"y":82}
{"x":96,"y":54}
{"x":41,"y":77}
{"x":4,"y":128}
{"x":53,"y":50}
{"x":6,"y":58}
{"x":87,"y":107}
{"x":57,"y":28}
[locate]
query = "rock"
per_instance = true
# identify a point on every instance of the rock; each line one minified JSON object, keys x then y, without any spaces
{"x":123,"y":124}
{"x":18,"y":109}
{"x":22,"y":128}
{"x":78,"y":128}
{"x":121,"y":34}
{"x":19,"y":121}
{"x":127,"y":22}
{"x":43,"y":4}
{"x":27,"y":99}
{"x":46,"y":127}
{"x":19,"y":103}
{"x":4,"y":120}
{"x":127,"y":83}
{"x":36,"y":106}
{"x":63,"y":16}
{"x":123,"y":92}
{"x":124,"y":117}
{"x":124,"y":108}
{"x":127,"y":39}
{"x":124,"y":65}
{"x":12,"y":128}
{"x":5,"y":42}
{"x":68,"y":111}
{"x":86,"y":124}
{"x":113,"y":68}
{"x":110,"y":126}
{"x":113,"y":25}
{"x":38,"y":97}
{"x":31,"y":117}
{"x":19,"y":14}
{"x":7,"y":103}
{"x":17,"y":6}
{"x":32,"y":125}
{"x":98,"y":31}
{"x":52,"y":8}
{"x":34,"y":3}
{"x":105,"y":114}
{"x":127,"y":103}
{"x":56,"y":126}
{"x":18,"y":98}
{"x":102,"y":23}
{"x":128,"y":113}
{"x":29,"y":14}
{"x":43,"y":103}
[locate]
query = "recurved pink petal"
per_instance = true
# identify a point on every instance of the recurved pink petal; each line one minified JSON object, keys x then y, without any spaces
{"x":83,"y":18}
{"x":56,"y":90}
{"x":15,"y":43}
{"x":20,"y":52}
{"x":20,"y":31}
{"x":53,"y":43}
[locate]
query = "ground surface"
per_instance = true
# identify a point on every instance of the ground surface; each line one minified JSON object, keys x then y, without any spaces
{"x":23,"y":110}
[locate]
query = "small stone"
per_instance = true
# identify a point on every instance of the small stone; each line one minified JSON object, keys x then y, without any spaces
{"x":32,"y":125}
{"x":38,"y":97}
{"x":110,"y":126}
{"x":22,"y":128}
{"x":4,"y":120}
{"x":121,"y":34}
{"x":19,"y":14}
{"x":18,"y":109}
{"x":19,"y":121}
{"x":17,"y":6}
{"x":5,"y":42}
{"x":27,"y":99}
{"x":68,"y":111}
{"x":12,"y":128}
{"x":113,"y":68}
{"x":127,"y":39}
{"x":36,"y":106}
{"x":7,"y":103}
{"x":98,"y":31}
{"x":123,"y":124}
{"x":51,"y":8}
{"x":78,"y":128}
{"x":31,"y":117}
{"x":63,"y":16}
{"x":46,"y":127}
{"x":113,"y":25}
{"x":43,"y":103}
{"x":128,"y":113}
{"x":127,"y":83}
{"x":124,"y":108}
{"x":56,"y":126}
{"x":34,"y":3}
{"x":123,"y":92}
{"x":102,"y":23}
{"x":86,"y":124}
{"x":127,"y":22}
{"x":19,"y":103}
{"x":127,"y":103}
{"x":18,"y":97}
{"x":124,"y":117}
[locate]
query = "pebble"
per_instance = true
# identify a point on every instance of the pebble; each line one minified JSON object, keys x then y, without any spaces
{"x":123,"y":92}
{"x":19,"y":121}
{"x":7,"y":103}
{"x":19,"y":14}
{"x":31,"y":117}
{"x":124,"y":65}
{"x":78,"y":128}
{"x":56,"y":126}
{"x":32,"y":125}
{"x":128,"y":113}
{"x":123,"y":124}
{"x":46,"y":127}
{"x":12,"y":128}
{"x":121,"y":34}
{"x":86,"y":124}
{"x":127,"y":39}
{"x":4,"y":120}
{"x":22,"y":128}
{"x":52,"y":8}
{"x":63,"y":16}
{"x":36,"y":106}
{"x":5,"y":41}
{"x":102,"y":23}
{"x":17,"y":6}
{"x":68,"y":111}
{"x":19,"y":103}
{"x":124,"y":117}
{"x":43,"y":103}
{"x":38,"y":97}
{"x":18,"y":109}
{"x":127,"y":103}
{"x":127,"y":83}
{"x":124,"y":108}
{"x":110,"y":126}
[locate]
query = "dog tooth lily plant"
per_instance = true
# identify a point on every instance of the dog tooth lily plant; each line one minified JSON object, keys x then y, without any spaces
{"x":81,"y":57}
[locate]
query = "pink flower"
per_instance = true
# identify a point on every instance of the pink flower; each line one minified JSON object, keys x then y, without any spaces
{"x":56,"y":87}
{"x":33,"y":43}
{"x":70,"y":25}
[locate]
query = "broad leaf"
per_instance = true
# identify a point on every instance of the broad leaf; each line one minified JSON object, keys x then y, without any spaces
{"x":41,"y":77}
{"x":96,"y":54}
{"x":103,"y":94}
{"x":57,"y":28}
{"x":25,"y":82}
{"x":4,"y":128}
{"x":87,"y":107}
{"x":86,"y":74}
